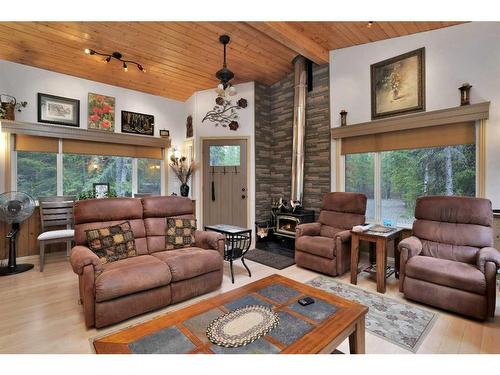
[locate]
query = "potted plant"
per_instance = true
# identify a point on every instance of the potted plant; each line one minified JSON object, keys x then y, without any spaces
{"x":9,"y":105}
{"x":183,"y":171}
{"x":91,"y":194}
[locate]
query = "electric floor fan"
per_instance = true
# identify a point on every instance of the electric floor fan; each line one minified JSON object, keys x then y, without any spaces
{"x":15,"y":207}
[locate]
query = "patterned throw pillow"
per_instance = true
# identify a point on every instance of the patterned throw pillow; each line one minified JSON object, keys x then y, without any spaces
{"x":180,"y":233}
{"x":112,"y":243}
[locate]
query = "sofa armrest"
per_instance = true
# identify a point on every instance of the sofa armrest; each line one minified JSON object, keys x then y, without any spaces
{"x":408,"y":248}
{"x":210,"y":240}
{"x":308,"y":229}
{"x":411,"y":245}
{"x":488,"y":254}
{"x":82,"y":256}
{"x":343,"y":236}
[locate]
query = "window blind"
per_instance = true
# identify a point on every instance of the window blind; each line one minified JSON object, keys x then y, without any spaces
{"x":36,"y":144}
{"x":434,"y":136}
{"x":110,"y":149}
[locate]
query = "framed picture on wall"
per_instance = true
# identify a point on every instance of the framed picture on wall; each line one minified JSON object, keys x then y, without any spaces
{"x":138,"y":123}
{"x":58,"y":110}
{"x":398,"y":85}
{"x":101,"y":112}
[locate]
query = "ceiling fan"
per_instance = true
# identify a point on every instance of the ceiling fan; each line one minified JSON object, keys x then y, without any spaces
{"x":15,"y":207}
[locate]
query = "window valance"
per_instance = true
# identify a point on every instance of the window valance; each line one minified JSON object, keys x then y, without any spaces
{"x":434,"y":136}
{"x":36,"y":144}
{"x":72,"y":146}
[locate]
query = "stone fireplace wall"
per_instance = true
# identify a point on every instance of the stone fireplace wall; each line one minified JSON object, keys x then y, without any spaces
{"x":263,"y":151}
{"x":273,"y":142}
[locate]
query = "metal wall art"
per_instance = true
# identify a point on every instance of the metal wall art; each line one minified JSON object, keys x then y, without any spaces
{"x":225,"y":113}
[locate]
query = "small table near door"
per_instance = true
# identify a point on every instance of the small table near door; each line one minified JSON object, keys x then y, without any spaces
{"x":381,"y":241}
{"x":238,"y":241}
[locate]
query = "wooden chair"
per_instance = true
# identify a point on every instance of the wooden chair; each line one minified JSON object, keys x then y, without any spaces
{"x":55,"y":212}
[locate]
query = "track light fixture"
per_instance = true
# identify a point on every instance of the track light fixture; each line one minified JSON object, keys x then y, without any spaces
{"x":115,"y":55}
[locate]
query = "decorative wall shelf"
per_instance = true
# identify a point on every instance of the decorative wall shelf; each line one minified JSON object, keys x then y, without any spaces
{"x":468,"y":113}
{"x":66,"y":132}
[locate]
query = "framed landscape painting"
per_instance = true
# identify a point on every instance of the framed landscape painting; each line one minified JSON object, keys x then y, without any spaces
{"x":398,"y":85}
{"x":138,"y":123}
{"x":101,"y":112}
{"x":58,"y":110}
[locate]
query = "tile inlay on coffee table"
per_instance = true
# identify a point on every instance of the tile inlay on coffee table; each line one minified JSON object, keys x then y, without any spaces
{"x":278,"y":292}
{"x":167,"y":341}
{"x":316,"y":328}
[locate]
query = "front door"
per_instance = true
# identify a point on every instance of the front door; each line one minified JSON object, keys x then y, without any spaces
{"x":225,"y":190}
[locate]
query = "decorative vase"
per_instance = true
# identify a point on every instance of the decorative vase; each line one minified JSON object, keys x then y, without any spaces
{"x":343,"y":117}
{"x":465,"y":94}
{"x":184,"y":190}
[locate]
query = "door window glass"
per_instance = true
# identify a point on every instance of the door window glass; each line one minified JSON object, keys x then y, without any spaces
{"x":224,"y":156}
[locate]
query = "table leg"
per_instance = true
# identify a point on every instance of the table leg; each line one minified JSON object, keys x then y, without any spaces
{"x":244,"y":264}
{"x":372,"y":251}
{"x":381,"y":264}
{"x":354,"y":258}
{"x":357,"y":338}
{"x":396,"y":256}
{"x":231,"y":267}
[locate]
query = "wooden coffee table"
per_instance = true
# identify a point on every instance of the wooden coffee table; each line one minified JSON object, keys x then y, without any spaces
{"x":317,"y":328}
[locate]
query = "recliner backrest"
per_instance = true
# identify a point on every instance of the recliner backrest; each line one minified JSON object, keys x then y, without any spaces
{"x":101,"y":213}
{"x":156,"y":210}
{"x":147,"y":217}
{"x":343,"y":210}
{"x":453,"y":228}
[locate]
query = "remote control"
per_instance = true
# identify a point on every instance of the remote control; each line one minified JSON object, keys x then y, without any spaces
{"x":306,"y":301}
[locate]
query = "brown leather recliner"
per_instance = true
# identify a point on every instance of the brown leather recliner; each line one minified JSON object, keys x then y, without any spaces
{"x":156,"y":277}
{"x":449,"y":262}
{"x":325,"y":246}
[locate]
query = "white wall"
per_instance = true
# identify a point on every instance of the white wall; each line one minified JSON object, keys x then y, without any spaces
{"x":197,"y":106}
{"x":463,"y":53}
{"x":25,"y":82}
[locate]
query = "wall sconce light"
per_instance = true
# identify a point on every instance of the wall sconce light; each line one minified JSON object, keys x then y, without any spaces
{"x":343,"y":117}
{"x":177,"y":153}
{"x":465,"y":93}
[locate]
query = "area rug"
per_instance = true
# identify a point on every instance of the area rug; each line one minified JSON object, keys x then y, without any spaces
{"x":269,"y":258}
{"x":399,"y":323}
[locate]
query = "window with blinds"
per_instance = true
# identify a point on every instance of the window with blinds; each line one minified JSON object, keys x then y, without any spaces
{"x":395,"y":168}
{"x":83,"y":164}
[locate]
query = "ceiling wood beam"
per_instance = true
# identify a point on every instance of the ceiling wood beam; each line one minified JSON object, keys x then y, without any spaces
{"x":292,"y":38}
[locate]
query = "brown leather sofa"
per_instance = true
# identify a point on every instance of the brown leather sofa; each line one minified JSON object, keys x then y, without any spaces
{"x":155,"y":278}
{"x":325,"y":246}
{"x":449,"y":262}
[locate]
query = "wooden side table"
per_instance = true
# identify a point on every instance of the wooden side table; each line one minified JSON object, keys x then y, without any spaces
{"x":380,"y":240}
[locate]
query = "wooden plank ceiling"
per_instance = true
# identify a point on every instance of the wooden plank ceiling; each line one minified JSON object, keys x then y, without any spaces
{"x":182,"y":57}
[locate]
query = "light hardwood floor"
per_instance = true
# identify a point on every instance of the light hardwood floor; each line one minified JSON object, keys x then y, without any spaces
{"x":39,"y":313}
